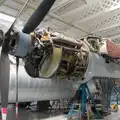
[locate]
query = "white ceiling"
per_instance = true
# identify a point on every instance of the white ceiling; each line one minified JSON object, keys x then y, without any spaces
{"x":75,"y":18}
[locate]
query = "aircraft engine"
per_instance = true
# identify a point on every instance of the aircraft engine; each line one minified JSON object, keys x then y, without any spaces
{"x":56,"y":54}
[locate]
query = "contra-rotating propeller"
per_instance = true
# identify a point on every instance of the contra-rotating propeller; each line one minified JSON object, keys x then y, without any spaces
{"x":32,"y":23}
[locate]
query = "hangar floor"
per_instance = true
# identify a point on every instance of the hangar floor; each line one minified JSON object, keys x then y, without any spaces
{"x":26,"y":114}
{"x":30,"y":114}
{"x":113,"y":116}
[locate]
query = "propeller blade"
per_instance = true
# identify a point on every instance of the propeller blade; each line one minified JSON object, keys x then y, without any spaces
{"x":17,"y":65}
{"x":5,"y":68}
{"x":38,"y":16}
{"x":4,"y":77}
{"x":18,"y":15}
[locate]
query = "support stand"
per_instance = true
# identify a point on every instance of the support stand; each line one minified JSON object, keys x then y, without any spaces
{"x":82,"y":113}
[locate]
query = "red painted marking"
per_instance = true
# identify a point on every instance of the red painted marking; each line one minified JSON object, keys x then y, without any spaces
{"x":4,"y":110}
{"x":17,"y":105}
{"x":16,"y":116}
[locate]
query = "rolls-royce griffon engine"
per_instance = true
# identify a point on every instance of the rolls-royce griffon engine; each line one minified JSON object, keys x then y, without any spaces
{"x":56,"y":54}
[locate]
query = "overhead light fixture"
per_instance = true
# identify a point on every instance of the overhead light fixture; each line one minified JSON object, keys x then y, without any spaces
{"x":6,"y":17}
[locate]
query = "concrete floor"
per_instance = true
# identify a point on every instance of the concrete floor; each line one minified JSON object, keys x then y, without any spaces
{"x":113,"y":116}
{"x":25,"y":114}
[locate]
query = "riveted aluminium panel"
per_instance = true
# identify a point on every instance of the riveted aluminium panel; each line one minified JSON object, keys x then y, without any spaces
{"x":37,"y":89}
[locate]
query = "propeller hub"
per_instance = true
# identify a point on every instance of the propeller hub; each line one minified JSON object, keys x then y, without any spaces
{"x":20,"y":43}
{"x":13,"y":41}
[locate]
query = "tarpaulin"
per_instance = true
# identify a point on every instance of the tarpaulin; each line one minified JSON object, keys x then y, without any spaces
{"x":113,"y":49}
